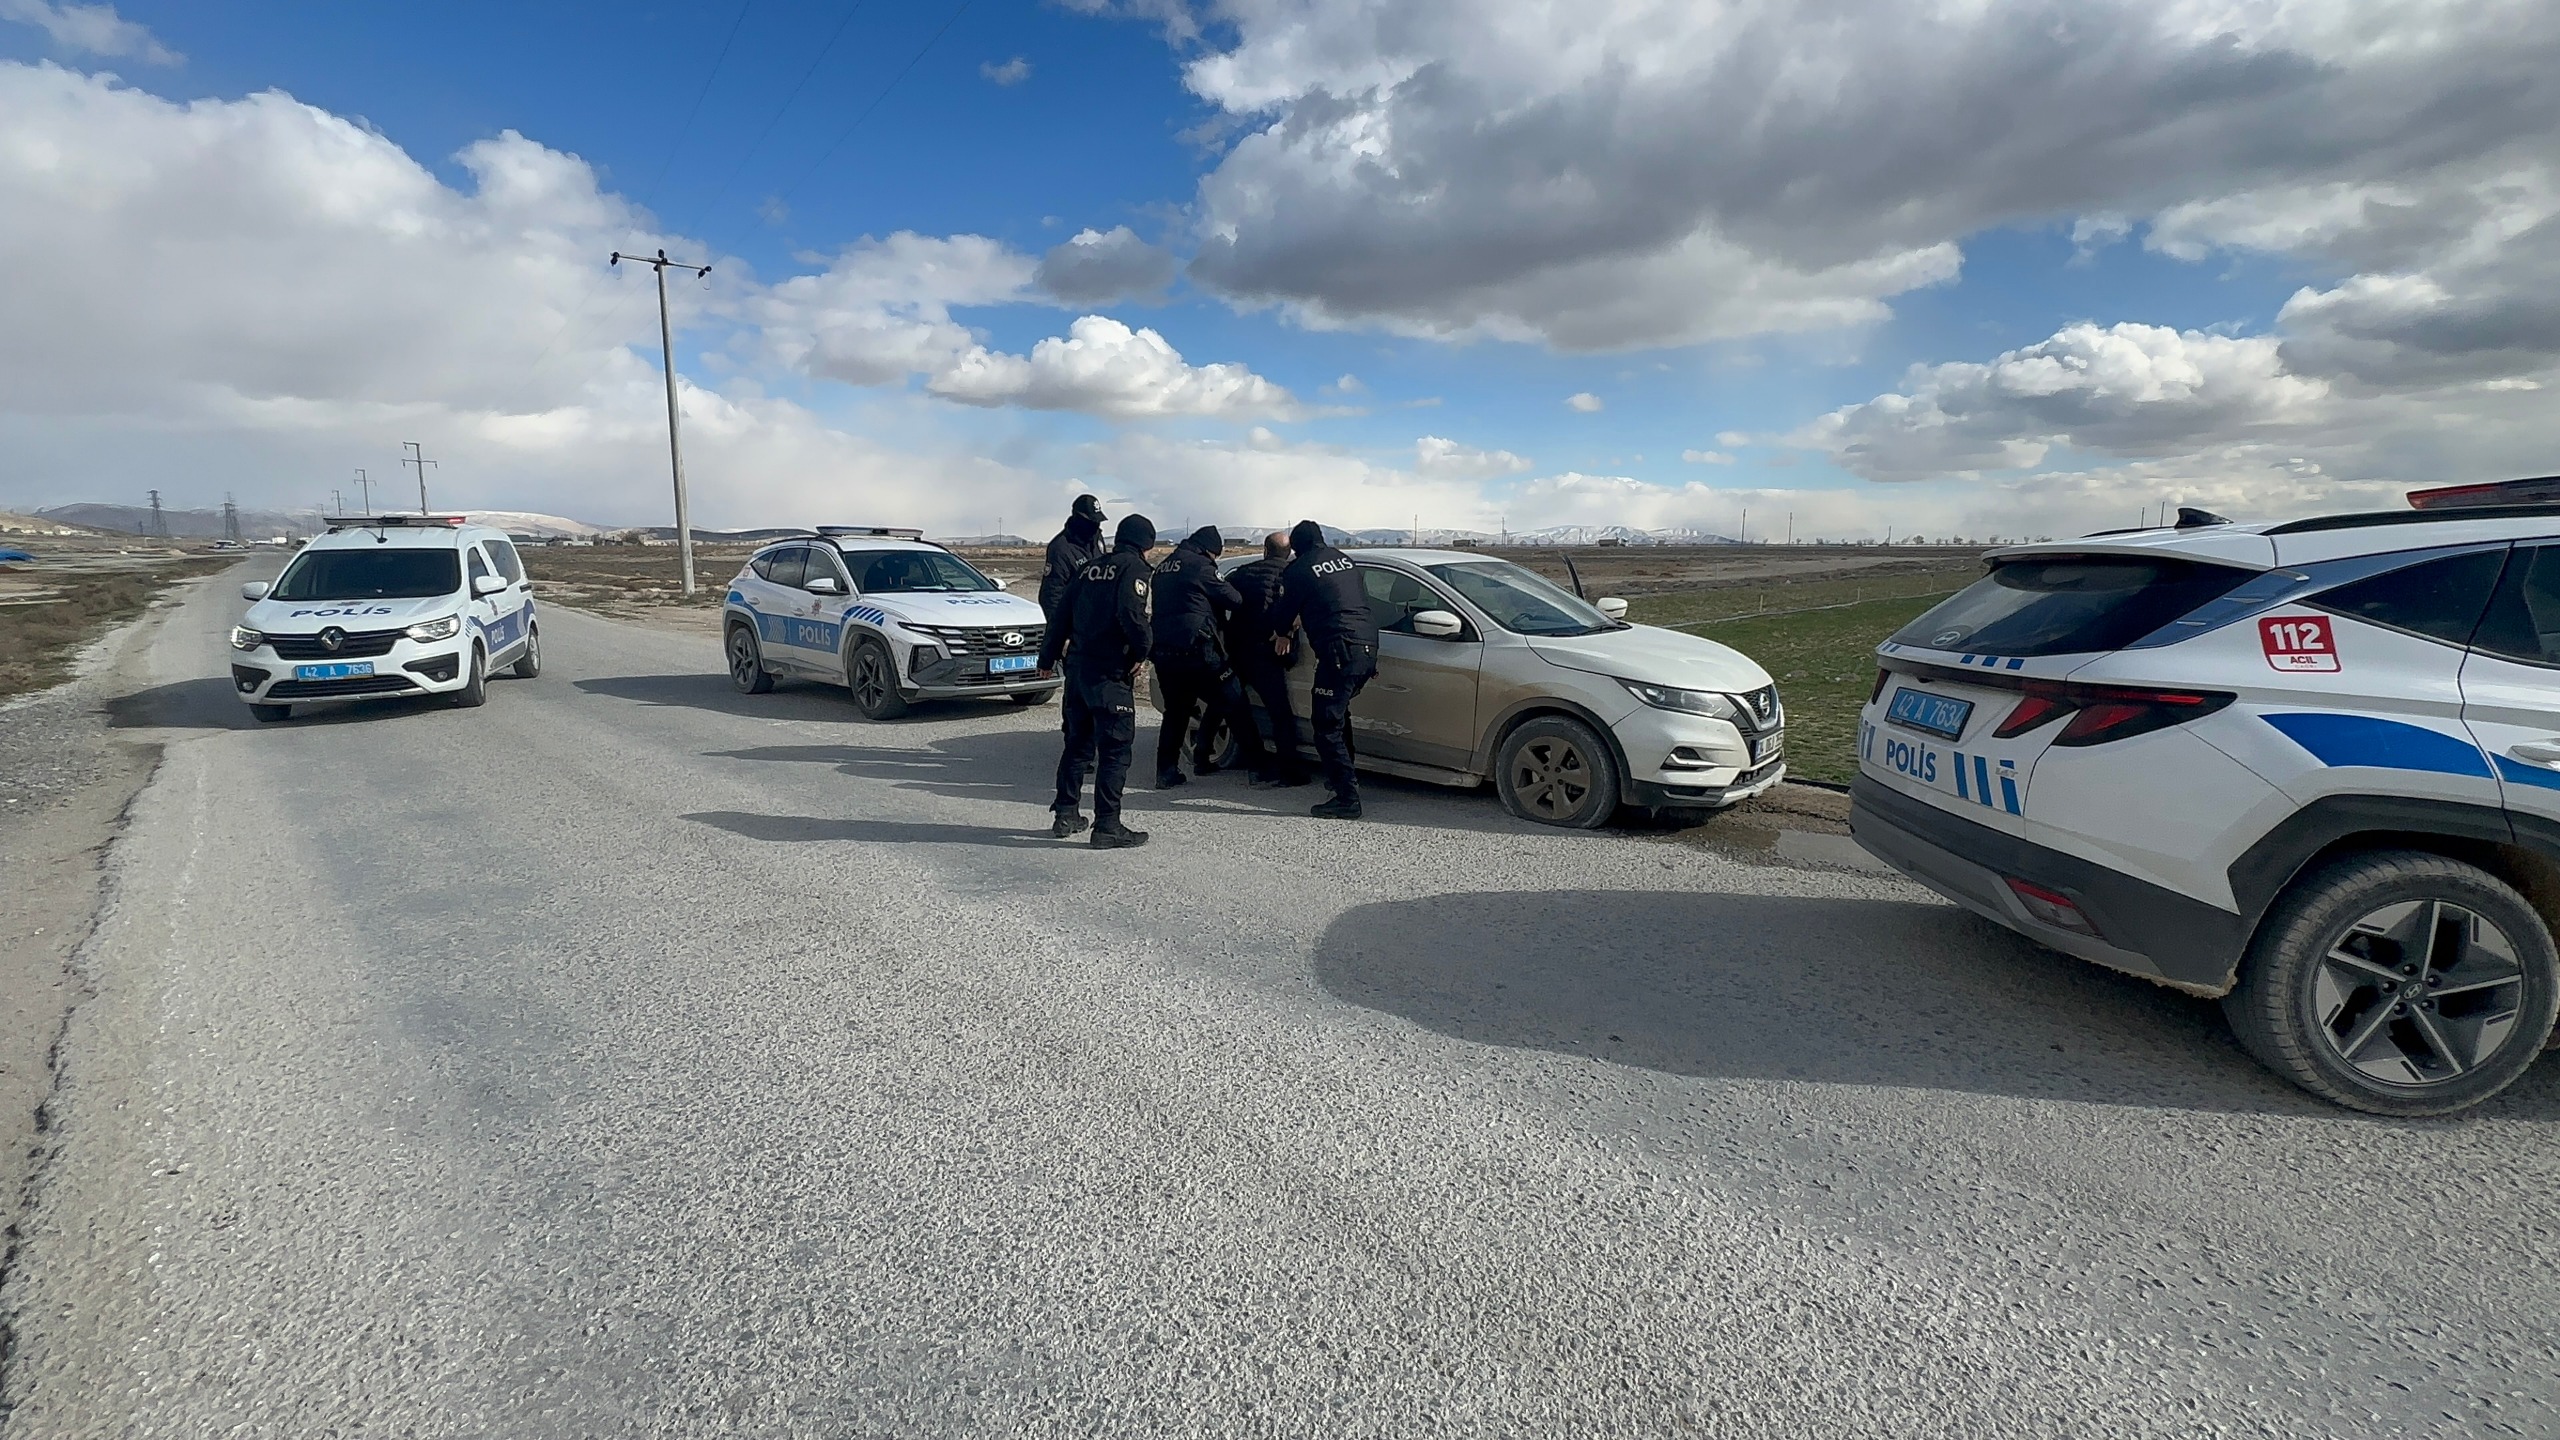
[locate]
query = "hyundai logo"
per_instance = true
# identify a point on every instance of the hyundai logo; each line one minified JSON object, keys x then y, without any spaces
{"x":1013,"y":639}
{"x":331,"y":638}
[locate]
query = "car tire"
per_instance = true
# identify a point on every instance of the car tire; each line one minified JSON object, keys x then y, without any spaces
{"x":474,"y":691}
{"x":873,"y":678}
{"x":746,"y":662}
{"x":1556,"y":770}
{"x":270,"y":714}
{"x":529,"y":664}
{"x":1034,"y":697}
{"x":2323,"y":993}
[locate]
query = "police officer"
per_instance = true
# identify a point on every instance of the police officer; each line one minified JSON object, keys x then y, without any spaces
{"x":1321,"y":590}
{"x":1249,"y":648}
{"x":1104,"y":641}
{"x":1069,"y":551}
{"x":1192,"y":606}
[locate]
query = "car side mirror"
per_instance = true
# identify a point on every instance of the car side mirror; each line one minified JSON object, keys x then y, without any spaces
{"x":487,"y":584}
{"x":1438,"y":625}
{"x":254,"y":590}
{"x":1613,"y":607}
{"x":1001,"y":582}
{"x":824,"y":585}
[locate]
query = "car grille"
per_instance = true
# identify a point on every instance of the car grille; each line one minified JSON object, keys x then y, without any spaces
{"x":986,"y":639}
{"x":351,"y":685}
{"x":357,"y":645}
{"x":1763,"y":708}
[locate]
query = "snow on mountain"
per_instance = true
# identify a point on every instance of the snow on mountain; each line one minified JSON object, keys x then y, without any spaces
{"x":539,"y":526}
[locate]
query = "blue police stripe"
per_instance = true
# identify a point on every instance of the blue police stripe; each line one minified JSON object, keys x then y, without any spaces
{"x":2516,"y":773}
{"x":2373,"y":743}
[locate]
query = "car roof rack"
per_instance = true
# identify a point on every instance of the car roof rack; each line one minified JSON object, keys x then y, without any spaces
{"x":2498,"y":494}
{"x":2411,"y":517}
{"x":888,"y":532}
{"x":411,"y":522}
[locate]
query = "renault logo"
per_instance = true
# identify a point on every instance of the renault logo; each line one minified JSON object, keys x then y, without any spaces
{"x":1013,"y":639}
{"x":331,"y":638}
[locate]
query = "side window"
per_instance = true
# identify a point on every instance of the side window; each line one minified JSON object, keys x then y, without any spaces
{"x":789,"y":567}
{"x":2440,"y":599}
{"x":763,"y":565}
{"x":479,"y":567}
{"x":1395,"y":598}
{"x":823,"y":560}
{"x":2524,"y":620}
{"x":504,"y":555}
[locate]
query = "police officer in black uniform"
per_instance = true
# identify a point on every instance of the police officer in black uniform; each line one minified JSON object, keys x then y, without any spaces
{"x":1266,"y":674}
{"x":1077,"y":544}
{"x":1321,"y":590}
{"x":1104,"y":640}
{"x":1192,"y":606}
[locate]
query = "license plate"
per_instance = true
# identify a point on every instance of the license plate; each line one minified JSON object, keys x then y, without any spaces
{"x":1012,"y":664}
{"x":1766,"y":748}
{"x":333,"y":672}
{"x":1939,"y":715}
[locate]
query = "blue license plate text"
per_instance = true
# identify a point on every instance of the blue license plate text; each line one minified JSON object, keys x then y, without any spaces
{"x":333,"y":672}
{"x":1937,"y":714}
{"x":1010,"y":664}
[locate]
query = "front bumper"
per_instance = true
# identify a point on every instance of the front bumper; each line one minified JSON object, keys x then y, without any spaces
{"x":935,"y":676}
{"x":410,"y":667}
{"x":2143,"y":929}
{"x":1678,"y":760}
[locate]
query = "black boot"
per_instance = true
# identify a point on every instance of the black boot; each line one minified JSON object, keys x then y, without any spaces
{"x":1340,"y":807}
{"x":1116,"y":836}
{"x":1066,"y":823}
{"x":1167,"y":779}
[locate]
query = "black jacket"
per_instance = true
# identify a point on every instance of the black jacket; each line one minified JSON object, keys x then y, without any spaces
{"x":1321,"y":590}
{"x":1080,"y":542}
{"x":1192,"y":601}
{"x":1257,"y":590}
{"x":1105,"y":630}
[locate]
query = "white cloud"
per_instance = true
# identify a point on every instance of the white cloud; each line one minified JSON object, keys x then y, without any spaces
{"x":1438,"y":456}
{"x":1585,"y":403}
{"x":1706,"y":457}
{"x":881,"y":311}
{"x":1348,"y":384}
{"x":1105,"y":368}
{"x":90,"y":30}
{"x":1008,"y":73}
{"x":1097,"y":267}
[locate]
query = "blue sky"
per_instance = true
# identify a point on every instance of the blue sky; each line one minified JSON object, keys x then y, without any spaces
{"x":1900,"y":297}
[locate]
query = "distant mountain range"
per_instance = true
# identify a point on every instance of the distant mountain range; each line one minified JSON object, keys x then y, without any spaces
{"x":259,"y":524}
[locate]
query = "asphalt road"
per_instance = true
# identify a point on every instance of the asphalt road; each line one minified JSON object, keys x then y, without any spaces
{"x":633,"y":1057}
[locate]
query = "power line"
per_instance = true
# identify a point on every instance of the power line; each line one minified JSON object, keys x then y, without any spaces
{"x":838,"y":143}
{"x":686,"y":129}
{"x":749,"y":153}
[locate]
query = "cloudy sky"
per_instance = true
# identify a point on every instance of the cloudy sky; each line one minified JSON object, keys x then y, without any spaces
{"x":1975,"y":266}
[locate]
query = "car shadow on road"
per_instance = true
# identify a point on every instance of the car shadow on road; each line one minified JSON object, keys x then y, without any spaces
{"x":1831,"y":991}
{"x":210,"y":703}
{"x":801,"y":828}
{"x":788,"y":700}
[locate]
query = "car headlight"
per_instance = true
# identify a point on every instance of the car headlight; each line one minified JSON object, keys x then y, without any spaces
{"x":1692,"y":702}
{"x":444,"y":629}
{"x":244,"y":638}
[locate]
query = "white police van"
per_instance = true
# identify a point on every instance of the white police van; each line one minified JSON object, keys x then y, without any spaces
{"x":387,"y":605}
{"x":887,"y":614}
{"x":2313,"y":768}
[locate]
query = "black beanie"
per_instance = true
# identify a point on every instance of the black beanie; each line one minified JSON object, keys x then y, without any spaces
{"x":1137,"y":532}
{"x":1206,"y":540}
{"x":1306,"y":536}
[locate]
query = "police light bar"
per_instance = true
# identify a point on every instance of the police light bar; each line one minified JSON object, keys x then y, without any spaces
{"x":2544,"y":490}
{"x":377,"y":522}
{"x":888,"y":531}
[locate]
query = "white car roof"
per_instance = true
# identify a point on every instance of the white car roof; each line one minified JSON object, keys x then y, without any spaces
{"x":417,"y":537}
{"x":2266,"y":544}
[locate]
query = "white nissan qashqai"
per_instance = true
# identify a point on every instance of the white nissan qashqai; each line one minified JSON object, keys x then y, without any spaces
{"x":2313,"y":768}
{"x":388,"y":605}
{"x":887,"y":614}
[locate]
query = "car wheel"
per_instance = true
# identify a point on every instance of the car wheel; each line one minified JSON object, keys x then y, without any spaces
{"x":474,"y":691}
{"x":1555,"y":771}
{"x":270,"y":714}
{"x":1034,"y":697}
{"x":873,"y":677}
{"x":746,"y":663}
{"x":2398,"y":982}
{"x":529,"y":664}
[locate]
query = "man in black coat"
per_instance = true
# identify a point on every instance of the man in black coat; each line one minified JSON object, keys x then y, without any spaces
{"x":1321,"y":590}
{"x":1192,"y":607}
{"x":1249,"y":648}
{"x":1104,"y":639}
{"x":1069,"y":551}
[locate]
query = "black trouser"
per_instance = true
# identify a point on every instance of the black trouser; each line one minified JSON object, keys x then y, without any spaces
{"x":1188,"y":684}
{"x":1101,"y":731}
{"x":1269,"y":679}
{"x":1342,"y":668}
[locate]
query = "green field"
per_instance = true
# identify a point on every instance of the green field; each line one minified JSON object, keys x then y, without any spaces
{"x":1824,"y":660}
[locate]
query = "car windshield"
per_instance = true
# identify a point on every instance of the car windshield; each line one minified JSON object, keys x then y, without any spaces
{"x":891,"y":572}
{"x":372,"y":573}
{"x":1522,"y":601}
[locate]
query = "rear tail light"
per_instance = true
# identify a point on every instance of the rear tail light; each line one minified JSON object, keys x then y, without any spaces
{"x":2051,"y":907}
{"x":2101,"y":713}
{"x":1882,"y":675}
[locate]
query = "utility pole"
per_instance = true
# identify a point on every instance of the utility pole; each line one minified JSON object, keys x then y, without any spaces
{"x":230,"y":519}
{"x":422,"y":462}
{"x":156,"y":523}
{"x":1746,"y":524}
{"x":365,"y":488}
{"x":675,"y":434}
{"x":1791,"y":527}
{"x":337,"y":503}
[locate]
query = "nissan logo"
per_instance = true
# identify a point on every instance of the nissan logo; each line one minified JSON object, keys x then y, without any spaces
{"x":331,"y":638}
{"x":1013,"y":639}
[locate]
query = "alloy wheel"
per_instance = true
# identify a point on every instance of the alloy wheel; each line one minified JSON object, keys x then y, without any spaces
{"x":1552,"y":777}
{"x":870,"y":680}
{"x":2418,"y":993}
{"x":742,"y":657}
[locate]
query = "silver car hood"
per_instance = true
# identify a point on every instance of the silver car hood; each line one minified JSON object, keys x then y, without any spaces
{"x":1655,"y":656}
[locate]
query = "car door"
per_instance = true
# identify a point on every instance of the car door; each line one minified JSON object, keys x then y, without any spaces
{"x":818,"y":620}
{"x":779,"y":602}
{"x":487,"y":611}
{"x":1422,"y":705}
{"x":511,"y":608}
{"x":2511,"y":689}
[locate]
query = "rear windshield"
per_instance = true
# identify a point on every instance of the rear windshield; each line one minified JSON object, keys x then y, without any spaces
{"x":372,"y":573}
{"x":2068,"y":605}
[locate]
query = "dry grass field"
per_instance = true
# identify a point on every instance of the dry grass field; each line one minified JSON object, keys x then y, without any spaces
{"x":72,"y":593}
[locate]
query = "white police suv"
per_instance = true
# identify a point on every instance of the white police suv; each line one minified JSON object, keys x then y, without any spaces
{"x":386,"y":605}
{"x":2313,"y":768}
{"x":885,"y":613}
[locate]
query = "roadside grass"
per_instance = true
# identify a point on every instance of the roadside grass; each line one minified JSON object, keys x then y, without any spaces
{"x":1824,"y":663}
{"x":1689,"y":608}
{"x":40,"y":636}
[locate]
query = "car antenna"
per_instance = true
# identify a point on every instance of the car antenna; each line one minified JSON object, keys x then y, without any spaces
{"x":1577,"y":578}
